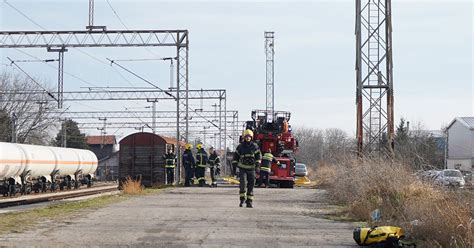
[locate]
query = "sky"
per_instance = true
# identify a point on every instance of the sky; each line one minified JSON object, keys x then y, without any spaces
{"x":314,"y":54}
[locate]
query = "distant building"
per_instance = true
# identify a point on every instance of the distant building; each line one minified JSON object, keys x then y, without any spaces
{"x":102,"y":145}
{"x":461,"y":144}
{"x":440,"y":137}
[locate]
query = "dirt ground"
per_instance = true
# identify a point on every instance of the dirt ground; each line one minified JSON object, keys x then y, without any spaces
{"x":198,"y":217}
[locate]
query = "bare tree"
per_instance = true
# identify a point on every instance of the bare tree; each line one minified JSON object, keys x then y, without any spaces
{"x":418,"y":147}
{"x":316,"y":146}
{"x":311,"y":145}
{"x":30,"y":115}
{"x":338,"y":145}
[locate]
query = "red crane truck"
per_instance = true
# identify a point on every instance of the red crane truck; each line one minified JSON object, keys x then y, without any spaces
{"x":276,"y":135}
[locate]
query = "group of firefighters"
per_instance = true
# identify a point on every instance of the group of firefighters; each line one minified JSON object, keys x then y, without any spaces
{"x":194,"y":166}
{"x":247,"y":158}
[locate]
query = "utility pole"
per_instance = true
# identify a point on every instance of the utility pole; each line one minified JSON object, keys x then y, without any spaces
{"x":170,"y":59}
{"x":14,"y":119}
{"x":153,"y":123}
{"x":215,"y":105}
{"x":91,"y":26}
{"x":102,"y":134}
{"x":61,"y":51}
{"x":91,"y":14}
{"x":64,"y":133}
{"x":374,"y":70}
{"x":204,"y":133}
{"x":269,"y":55}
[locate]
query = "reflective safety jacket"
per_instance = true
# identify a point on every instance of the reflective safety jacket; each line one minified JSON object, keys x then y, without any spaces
{"x":214,"y":160}
{"x":170,"y":160}
{"x":201,"y":158}
{"x":188,"y":159}
{"x":267,"y":161}
{"x":247,"y":155}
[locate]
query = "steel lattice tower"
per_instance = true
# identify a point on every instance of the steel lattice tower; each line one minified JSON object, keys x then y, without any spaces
{"x":375,"y":126}
{"x":269,"y":54}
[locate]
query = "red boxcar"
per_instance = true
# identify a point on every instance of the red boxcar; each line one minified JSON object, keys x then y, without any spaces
{"x":140,"y":157}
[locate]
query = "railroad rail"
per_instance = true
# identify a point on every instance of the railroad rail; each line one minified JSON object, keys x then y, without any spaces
{"x":38,"y":198}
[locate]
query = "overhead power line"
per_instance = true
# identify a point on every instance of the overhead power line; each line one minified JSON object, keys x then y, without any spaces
{"x":24,"y":15}
{"x":116,"y":14}
{"x":32,"y":79}
{"x":125,"y":26}
{"x":140,"y":77}
{"x":166,"y":92}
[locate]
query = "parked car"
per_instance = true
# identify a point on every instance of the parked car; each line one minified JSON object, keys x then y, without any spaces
{"x":428,"y":176}
{"x":450,"y":177}
{"x":301,"y":170}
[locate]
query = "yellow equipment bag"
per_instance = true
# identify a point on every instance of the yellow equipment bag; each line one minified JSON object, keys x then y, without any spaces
{"x":381,"y":236}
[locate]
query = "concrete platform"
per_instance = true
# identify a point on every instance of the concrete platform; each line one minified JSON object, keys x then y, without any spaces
{"x":198,"y":217}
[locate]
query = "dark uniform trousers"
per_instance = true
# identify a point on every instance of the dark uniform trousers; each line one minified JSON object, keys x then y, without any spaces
{"x":214,"y":163}
{"x":264,"y":178}
{"x":201,"y":162}
{"x":188,"y":177}
{"x":170,"y":175}
{"x":170,"y":164}
{"x":247,"y":183}
{"x":188,"y":163}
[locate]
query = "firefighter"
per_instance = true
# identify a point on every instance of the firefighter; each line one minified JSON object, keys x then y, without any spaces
{"x":266,"y":168}
{"x":201,"y":164}
{"x":189,"y":164}
{"x":247,"y":157}
{"x":214,"y":164}
{"x":170,"y":164}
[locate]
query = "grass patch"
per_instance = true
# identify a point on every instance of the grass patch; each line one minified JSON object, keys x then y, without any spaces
{"x":433,"y":215}
{"x":24,"y":220}
{"x":132,"y":187}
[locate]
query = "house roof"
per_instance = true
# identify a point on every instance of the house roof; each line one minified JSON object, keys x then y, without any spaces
{"x":465,"y":121}
{"x":101,"y":140}
{"x":172,"y":140}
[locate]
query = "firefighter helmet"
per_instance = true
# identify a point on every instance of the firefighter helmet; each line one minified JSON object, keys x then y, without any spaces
{"x":248,"y":132}
{"x":199,"y":146}
{"x":188,"y":146}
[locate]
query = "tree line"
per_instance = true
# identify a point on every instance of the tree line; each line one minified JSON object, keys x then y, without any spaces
{"x":414,"y":146}
{"x":30,"y":120}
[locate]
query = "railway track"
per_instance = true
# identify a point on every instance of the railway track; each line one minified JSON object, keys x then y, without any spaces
{"x":38,"y":198}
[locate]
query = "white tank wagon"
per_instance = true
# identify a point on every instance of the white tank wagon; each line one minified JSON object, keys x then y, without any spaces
{"x":26,"y":168}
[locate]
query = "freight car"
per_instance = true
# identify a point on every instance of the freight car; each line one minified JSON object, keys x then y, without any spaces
{"x":140,"y":158}
{"x":27,"y":168}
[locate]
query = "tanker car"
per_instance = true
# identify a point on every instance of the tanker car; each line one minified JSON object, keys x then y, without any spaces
{"x":27,"y":168}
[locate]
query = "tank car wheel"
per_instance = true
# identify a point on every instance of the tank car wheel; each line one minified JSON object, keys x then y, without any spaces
{"x":54,"y":187}
{"x":11,"y":190}
{"x":88,"y":181}
{"x":5,"y":190}
{"x":76,"y":184}
{"x":44,"y":187}
{"x":28,"y":189}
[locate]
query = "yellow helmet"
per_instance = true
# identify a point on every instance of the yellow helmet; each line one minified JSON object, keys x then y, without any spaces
{"x":199,"y":146}
{"x":248,"y":132}
{"x":188,"y":146}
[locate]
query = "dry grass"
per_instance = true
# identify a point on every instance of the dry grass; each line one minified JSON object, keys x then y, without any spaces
{"x":431,"y":215}
{"x":132,"y":187}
